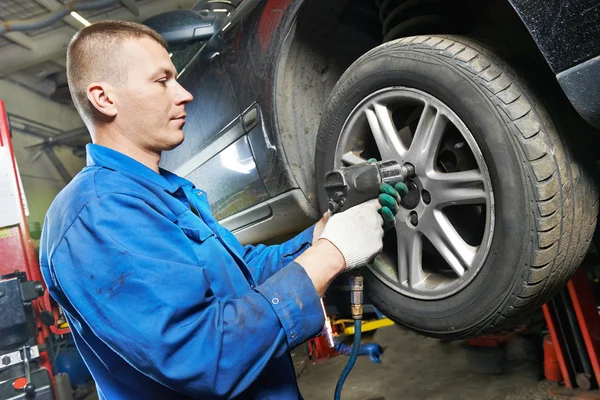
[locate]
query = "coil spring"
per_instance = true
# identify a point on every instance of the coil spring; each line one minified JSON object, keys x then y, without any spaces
{"x":401,"y":16}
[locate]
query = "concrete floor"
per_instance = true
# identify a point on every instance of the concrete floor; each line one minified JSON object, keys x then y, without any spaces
{"x":418,"y":368}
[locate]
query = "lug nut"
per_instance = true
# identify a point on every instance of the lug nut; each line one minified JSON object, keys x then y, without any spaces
{"x":426,"y":196}
{"x":409,"y":170}
{"x":414,"y":218}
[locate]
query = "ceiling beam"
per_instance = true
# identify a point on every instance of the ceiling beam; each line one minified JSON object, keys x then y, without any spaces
{"x":53,"y":44}
{"x":21,"y":39}
{"x":53,"y":5}
{"x":131,"y":6}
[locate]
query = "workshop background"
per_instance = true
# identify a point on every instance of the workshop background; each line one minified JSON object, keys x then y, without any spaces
{"x":48,"y":135}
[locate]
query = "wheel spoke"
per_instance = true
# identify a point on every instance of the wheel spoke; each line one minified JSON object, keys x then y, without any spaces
{"x":457,"y":253}
{"x":428,"y":136}
{"x":410,"y":270}
{"x":456,"y":188}
{"x":385,"y":134}
{"x":351,"y":158}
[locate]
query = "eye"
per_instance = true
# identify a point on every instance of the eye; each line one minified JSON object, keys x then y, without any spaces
{"x":162,"y":81}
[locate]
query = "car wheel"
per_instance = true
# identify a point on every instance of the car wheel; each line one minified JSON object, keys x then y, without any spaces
{"x":499,"y":214}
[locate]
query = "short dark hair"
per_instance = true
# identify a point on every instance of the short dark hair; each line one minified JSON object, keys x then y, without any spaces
{"x":94,"y":55}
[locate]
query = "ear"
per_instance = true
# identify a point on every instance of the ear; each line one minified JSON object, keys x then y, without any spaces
{"x":102,"y":97}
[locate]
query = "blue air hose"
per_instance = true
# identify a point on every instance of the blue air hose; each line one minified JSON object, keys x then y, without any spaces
{"x":373,"y":350}
{"x":351,"y":360}
{"x":356,"y":306}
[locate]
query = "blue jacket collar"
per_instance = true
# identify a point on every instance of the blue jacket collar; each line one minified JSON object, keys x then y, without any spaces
{"x":104,"y":157}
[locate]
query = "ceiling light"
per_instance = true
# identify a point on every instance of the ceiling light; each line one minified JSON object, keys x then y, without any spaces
{"x":79,"y":18}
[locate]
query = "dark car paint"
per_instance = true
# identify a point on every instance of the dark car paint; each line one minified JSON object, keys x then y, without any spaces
{"x":254,"y":46}
{"x":566,"y":32}
{"x":232,"y":72}
{"x":236,"y":69}
{"x":581,"y":84}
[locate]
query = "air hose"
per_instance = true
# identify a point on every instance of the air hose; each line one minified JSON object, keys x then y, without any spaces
{"x":356,"y":303}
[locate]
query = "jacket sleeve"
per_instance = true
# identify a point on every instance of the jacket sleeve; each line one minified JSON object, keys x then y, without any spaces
{"x":264,"y":261}
{"x":133,"y":276}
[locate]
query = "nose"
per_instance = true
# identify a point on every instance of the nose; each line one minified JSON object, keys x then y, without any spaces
{"x":183,"y":96}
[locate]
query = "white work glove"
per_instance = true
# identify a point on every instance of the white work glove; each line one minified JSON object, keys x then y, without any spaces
{"x":357,"y":233}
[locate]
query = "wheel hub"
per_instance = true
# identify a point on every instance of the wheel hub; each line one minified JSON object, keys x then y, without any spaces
{"x":413,"y":197}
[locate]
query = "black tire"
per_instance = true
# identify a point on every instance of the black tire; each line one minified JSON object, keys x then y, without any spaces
{"x":546,"y":204}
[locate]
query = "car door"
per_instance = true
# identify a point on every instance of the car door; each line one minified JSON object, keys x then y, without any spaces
{"x":216,"y":155}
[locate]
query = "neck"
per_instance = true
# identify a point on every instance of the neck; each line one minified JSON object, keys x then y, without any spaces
{"x":113,"y":139}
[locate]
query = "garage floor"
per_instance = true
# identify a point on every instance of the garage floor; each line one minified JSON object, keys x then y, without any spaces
{"x":415,"y":367}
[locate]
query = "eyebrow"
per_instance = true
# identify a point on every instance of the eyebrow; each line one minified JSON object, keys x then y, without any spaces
{"x":162,"y":71}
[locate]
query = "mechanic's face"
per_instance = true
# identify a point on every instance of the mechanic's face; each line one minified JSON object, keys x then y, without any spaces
{"x":151,"y":104}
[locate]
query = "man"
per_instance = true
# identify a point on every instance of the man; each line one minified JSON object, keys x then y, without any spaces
{"x":162,"y":301}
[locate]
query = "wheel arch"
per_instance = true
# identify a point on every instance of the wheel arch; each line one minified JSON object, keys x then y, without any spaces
{"x":327,"y":37}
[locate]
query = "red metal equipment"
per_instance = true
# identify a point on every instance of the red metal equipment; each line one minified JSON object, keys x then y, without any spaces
{"x":552,"y":370}
{"x":17,"y":251}
{"x":319,"y":349}
{"x":498,"y":339}
{"x":574,"y":323}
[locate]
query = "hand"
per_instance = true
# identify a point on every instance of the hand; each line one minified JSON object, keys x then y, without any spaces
{"x":357,"y":233}
{"x":322,"y":263}
{"x":319,"y":226}
{"x":389,"y":198}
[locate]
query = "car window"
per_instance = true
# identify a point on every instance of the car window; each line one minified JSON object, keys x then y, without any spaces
{"x":183,"y":55}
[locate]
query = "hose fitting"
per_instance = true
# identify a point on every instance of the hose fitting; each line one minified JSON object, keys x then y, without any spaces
{"x":356,"y":296}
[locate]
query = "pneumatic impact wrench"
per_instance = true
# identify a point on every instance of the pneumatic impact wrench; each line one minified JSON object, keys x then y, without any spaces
{"x":347,"y":187}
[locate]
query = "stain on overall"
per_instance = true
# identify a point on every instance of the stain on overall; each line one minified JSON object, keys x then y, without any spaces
{"x":118,"y":283}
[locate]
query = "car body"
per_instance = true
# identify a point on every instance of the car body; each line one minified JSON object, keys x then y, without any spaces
{"x":261,"y":82}
{"x":238,"y":146}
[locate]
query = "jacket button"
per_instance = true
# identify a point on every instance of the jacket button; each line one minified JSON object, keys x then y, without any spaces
{"x":275,"y":300}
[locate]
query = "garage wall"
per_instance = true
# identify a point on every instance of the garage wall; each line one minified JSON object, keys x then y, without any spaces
{"x":41,"y":181}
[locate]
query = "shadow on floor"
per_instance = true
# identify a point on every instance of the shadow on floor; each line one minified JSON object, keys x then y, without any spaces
{"x":418,"y":368}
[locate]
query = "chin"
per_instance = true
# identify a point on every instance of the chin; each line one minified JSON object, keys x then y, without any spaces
{"x":176,"y":140}
{"x":171,"y":146}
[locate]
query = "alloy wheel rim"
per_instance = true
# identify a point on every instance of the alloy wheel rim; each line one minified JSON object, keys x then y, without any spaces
{"x":445,"y":226}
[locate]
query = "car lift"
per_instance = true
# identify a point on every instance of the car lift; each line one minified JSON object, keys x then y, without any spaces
{"x":574,"y":324}
{"x":28,"y":317}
